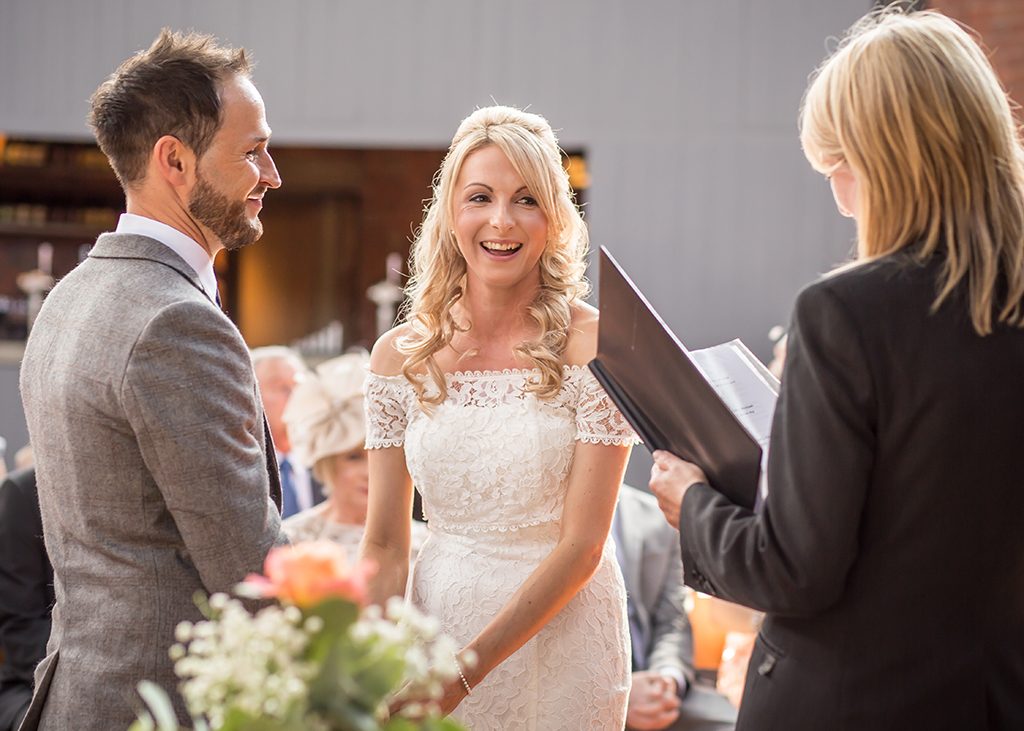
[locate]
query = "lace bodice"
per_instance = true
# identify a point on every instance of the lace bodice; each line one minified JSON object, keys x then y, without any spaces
{"x":492,"y":456}
{"x":492,"y":463}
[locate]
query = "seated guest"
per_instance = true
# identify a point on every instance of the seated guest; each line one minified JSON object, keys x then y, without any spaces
{"x":278,"y":369}
{"x":26,"y":594}
{"x":326,"y":426}
{"x":663,"y":694}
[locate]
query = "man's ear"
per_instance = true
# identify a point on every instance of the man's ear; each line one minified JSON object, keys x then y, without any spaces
{"x":173,"y":161}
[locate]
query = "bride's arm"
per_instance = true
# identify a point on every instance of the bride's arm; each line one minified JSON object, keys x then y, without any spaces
{"x":389,"y":507}
{"x":589,"y":505}
{"x":388,"y":523}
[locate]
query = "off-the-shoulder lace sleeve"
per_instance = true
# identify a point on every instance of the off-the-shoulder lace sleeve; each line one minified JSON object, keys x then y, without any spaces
{"x":386,"y":406}
{"x":598,"y":421}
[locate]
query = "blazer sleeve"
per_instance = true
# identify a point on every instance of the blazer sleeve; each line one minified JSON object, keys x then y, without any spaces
{"x":793,"y":558}
{"x":189,"y":394}
{"x":671,"y":635}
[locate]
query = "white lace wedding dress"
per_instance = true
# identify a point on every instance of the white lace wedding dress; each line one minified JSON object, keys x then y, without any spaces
{"x":492,"y":464}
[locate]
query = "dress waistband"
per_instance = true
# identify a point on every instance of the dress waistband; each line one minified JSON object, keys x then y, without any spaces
{"x":444,"y":526}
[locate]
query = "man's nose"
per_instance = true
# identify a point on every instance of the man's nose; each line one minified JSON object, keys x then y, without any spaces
{"x":268,"y":172}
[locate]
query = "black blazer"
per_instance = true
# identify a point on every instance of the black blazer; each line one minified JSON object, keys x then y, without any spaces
{"x":890,"y":553}
{"x":26,"y":593}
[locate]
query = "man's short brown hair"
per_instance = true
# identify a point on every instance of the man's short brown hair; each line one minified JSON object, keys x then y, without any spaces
{"x":172,"y":88}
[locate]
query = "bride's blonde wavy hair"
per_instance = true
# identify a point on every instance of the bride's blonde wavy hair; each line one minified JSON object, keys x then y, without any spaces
{"x":438,"y":270}
{"x":910,"y":101}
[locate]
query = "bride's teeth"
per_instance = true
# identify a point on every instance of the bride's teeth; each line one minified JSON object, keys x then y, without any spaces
{"x":494,"y":246}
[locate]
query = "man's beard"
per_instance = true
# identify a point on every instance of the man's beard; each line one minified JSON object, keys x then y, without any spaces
{"x":227,"y":219}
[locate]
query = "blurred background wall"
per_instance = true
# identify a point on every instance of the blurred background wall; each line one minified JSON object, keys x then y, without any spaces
{"x":680,"y":116}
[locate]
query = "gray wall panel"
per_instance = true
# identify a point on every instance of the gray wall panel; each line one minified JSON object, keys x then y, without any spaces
{"x":686,"y":109}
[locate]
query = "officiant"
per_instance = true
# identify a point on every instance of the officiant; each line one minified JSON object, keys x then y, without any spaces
{"x":889,"y":554}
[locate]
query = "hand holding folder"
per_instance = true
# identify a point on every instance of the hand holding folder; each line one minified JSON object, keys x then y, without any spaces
{"x":664,"y":392}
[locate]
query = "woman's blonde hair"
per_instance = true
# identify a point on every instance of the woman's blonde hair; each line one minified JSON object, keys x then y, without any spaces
{"x":438,"y":270}
{"x":910,"y":101}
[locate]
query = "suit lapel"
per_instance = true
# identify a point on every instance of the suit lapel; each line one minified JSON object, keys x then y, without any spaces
{"x":630,"y":549}
{"x":272,"y":469}
{"x":632,"y":536}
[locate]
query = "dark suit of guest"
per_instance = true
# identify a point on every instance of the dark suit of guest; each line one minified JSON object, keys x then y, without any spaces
{"x":649,"y":557}
{"x":659,"y":629}
{"x":890,"y":552}
{"x":26,"y":594}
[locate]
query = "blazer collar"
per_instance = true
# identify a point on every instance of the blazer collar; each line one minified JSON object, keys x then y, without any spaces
{"x":133,"y":246}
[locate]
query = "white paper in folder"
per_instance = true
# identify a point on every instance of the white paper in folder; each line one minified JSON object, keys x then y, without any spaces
{"x":746,"y":387}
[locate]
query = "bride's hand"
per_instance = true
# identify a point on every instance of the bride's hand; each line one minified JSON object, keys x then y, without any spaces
{"x":453,"y":692}
{"x":453,"y":695}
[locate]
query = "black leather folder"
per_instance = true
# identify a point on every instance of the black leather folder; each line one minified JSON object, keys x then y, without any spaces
{"x":652,"y":380}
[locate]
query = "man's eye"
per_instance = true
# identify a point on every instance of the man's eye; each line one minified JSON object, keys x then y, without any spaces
{"x":251,"y":154}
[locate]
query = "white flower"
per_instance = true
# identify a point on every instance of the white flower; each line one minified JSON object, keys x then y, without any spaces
{"x":255,"y":662}
{"x":251,"y":663}
{"x":183,"y":632}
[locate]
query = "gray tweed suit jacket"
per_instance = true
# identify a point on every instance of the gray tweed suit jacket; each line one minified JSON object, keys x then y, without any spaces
{"x":154,"y":479}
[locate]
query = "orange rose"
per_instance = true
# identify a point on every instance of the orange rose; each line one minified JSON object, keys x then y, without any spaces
{"x":307,"y":573}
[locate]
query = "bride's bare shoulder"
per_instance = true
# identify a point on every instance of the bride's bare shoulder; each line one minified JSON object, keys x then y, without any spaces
{"x":582,"y":345}
{"x":385,"y":358}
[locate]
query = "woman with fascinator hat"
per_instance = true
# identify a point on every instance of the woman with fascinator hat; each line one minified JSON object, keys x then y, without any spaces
{"x":325,"y":420}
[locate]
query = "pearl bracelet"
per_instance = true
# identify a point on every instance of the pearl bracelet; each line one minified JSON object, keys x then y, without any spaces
{"x":462,"y":677}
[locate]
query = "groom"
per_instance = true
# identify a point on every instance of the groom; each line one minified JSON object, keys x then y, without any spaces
{"x":150,"y":442}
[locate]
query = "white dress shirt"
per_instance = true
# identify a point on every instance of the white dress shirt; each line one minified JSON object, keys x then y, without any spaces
{"x":184,"y":246}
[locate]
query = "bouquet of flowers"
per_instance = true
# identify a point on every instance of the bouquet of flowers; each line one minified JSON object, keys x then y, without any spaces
{"x":317,"y":660}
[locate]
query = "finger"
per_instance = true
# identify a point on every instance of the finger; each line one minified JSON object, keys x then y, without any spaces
{"x":647,"y":707}
{"x":647,"y":683}
{"x":669,"y":702}
{"x":665,"y":459}
{"x":652,"y":720}
{"x":666,"y":718}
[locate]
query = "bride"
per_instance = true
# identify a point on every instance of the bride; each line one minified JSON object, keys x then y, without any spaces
{"x":482,"y":399}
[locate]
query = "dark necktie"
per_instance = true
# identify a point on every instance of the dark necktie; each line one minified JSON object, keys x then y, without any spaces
{"x":289,"y":498}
